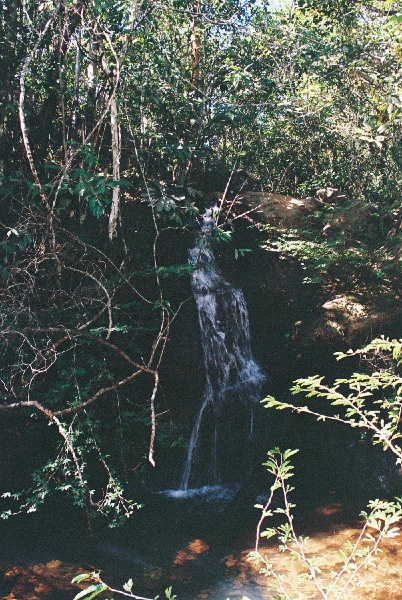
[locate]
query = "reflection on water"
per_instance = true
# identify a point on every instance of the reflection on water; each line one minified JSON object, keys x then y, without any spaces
{"x":197,"y":567}
{"x":382,"y":581}
{"x":50,"y":581}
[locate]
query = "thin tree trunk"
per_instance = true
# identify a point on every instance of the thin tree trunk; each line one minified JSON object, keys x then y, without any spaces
{"x":92,"y":76}
{"x":21,"y":114}
{"x":195,"y":44}
{"x":62,"y":83}
{"x":115,"y":130}
{"x":77,"y":74}
{"x":9,"y":28}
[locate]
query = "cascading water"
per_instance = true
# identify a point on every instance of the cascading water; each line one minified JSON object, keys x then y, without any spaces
{"x":220,"y":446}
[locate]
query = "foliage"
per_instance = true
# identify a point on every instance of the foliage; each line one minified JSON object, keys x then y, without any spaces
{"x":116,"y":121}
{"x":370,"y":401}
{"x":98,"y":586}
{"x":325,"y":114}
{"x":347,"y":260}
{"x":381,"y":522}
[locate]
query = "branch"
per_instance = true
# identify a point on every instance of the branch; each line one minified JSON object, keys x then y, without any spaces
{"x":108,"y":259}
{"x":28,"y":404}
{"x":109,"y":300}
{"x":99,"y":394}
{"x":153,"y":421}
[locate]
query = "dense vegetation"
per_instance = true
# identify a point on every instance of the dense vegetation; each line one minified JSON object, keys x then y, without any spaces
{"x":117,"y":119}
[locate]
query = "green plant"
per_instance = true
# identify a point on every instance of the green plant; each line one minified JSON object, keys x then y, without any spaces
{"x":370,"y":401}
{"x":97,"y":586}
{"x":381,"y":521}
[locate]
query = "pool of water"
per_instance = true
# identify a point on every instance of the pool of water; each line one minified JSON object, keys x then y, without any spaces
{"x":207,"y":560}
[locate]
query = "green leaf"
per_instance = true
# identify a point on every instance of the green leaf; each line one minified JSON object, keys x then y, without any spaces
{"x":222,"y":236}
{"x":127,"y":587}
{"x":81,"y":577}
{"x":239,"y":252}
{"x":91,"y":591}
{"x":169,"y":595}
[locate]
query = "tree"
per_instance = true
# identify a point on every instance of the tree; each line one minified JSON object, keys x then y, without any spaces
{"x":83,"y":322}
{"x":327,"y":109}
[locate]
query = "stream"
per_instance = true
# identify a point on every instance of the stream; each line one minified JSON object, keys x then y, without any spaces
{"x":37,"y":564}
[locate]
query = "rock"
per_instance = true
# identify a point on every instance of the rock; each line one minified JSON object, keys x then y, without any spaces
{"x":329,"y":195}
{"x":278,"y":209}
{"x":344,"y":316}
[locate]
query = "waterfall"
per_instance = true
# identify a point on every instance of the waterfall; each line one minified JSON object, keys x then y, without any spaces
{"x":220,"y":446}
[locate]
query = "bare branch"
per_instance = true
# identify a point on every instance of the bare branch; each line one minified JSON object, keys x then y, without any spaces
{"x":103,"y":288}
{"x":153,"y":422}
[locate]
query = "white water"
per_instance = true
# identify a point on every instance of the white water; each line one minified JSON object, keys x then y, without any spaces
{"x":214,"y":493}
{"x":220,"y":446}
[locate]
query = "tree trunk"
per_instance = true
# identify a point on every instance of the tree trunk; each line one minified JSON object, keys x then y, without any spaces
{"x":92,"y":76}
{"x":195,"y":7}
{"x":9,"y":28}
{"x":115,"y":130}
{"x":77,"y":75}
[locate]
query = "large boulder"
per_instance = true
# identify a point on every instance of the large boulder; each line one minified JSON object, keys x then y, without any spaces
{"x":278,"y":209}
{"x":345,"y":317}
